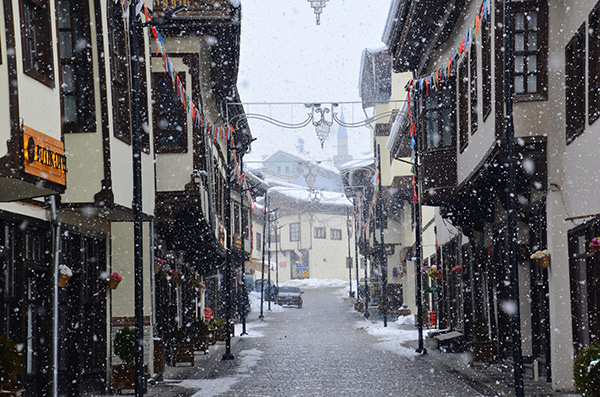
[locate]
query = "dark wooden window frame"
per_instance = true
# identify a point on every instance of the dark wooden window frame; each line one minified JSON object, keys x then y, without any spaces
{"x":173,"y":107}
{"x":37,"y":34}
{"x":320,"y":232}
{"x":448,"y":87}
{"x":541,"y":6}
{"x":591,"y":282}
{"x":594,"y":65}
{"x":81,"y":63}
{"x":473,"y":97}
{"x":575,"y":85}
{"x":486,"y":67}
{"x":295,"y":235}
{"x":120,"y":76}
{"x":336,"y":234}
{"x":463,"y":104}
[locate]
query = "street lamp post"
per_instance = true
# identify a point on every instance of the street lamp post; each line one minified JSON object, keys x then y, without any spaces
{"x":356,"y":248}
{"x":136,"y":152}
{"x":269,"y":295}
{"x":511,"y":198}
{"x":349,"y":259}
{"x":382,"y":254}
{"x":228,"y":284}
{"x":243,"y":251}
{"x":262,"y":276}
{"x":420,"y":348}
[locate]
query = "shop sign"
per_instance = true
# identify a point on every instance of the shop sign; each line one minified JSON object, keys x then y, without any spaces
{"x":44,"y":156}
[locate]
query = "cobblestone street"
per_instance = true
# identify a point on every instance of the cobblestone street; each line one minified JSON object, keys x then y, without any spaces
{"x":317,"y":351}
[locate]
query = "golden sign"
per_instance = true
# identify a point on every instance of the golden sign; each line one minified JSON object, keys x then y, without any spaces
{"x":44,"y":156}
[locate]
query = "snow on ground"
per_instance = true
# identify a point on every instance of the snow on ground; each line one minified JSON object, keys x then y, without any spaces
{"x":254,"y":297}
{"x":247,"y":360}
{"x":251,"y":329}
{"x":392,"y":338}
{"x":312,"y":283}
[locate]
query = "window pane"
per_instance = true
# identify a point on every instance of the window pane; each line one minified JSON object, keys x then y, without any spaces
{"x":519,"y":42}
{"x":520,"y":21}
{"x":519,"y":60}
{"x":532,"y":83}
{"x":66,"y":45}
{"x":68,"y":75}
{"x":532,"y":20}
{"x":64,"y":14}
{"x":532,"y":63}
{"x":519,"y":84}
{"x":431,"y":101}
{"x":532,"y":42}
{"x":447,"y":127}
{"x":433,"y":138}
{"x":70,"y":109}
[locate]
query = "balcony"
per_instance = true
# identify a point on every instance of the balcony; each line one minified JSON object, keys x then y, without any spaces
{"x":197,"y":9}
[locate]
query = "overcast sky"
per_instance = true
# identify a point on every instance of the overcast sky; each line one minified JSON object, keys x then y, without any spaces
{"x":286,"y":57}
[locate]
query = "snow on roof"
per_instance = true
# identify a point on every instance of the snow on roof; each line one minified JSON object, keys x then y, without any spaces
{"x":362,"y":162}
{"x":376,"y":49}
{"x":303,"y":194}
{"x":301,"y":157}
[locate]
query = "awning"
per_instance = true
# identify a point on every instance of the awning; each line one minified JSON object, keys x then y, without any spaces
{"x":255,"y":265}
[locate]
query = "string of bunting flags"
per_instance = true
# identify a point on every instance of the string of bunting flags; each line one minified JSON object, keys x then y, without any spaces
{"x":214,"y":132}
{"x":436,"y":78}
{"x":421,"y":86}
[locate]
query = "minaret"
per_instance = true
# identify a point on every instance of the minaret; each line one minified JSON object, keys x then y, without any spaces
{"x":342,"y":145}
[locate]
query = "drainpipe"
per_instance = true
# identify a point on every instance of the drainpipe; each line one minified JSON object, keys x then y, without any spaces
{"x":56,"y":262}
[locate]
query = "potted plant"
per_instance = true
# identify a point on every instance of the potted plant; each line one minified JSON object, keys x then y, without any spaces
{"x":64,"y":274}
{"x":586,"y":370}
{"x":481,"y":349}
{"x":199,"y":336}
{"x":123,"y":375}
{"x":113,"y":280}
{"x":595,"y":244}
{"x":218,"y":327}
{"x":542,"y":257}
{"x":10,"y":362}
{"x":184,"y":348}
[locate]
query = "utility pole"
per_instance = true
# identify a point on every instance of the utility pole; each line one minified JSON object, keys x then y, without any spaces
{"x":511,"y":198}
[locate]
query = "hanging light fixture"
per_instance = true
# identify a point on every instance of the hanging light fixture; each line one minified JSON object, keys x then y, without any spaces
{"x":322,"y":126}
{"x":318,"y":5}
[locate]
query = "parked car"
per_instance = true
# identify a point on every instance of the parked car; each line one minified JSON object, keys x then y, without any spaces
{"x":291,"y":296}
{"x":270,"y":290}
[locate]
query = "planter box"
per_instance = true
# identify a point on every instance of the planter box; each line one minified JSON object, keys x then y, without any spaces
{"x":184,"y":353}
{"x":200,"y":343}
{"x":211,"y":337}
{"x":123,"y":378}
{"x":220,"y":334}
{"x":482,"y":352}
